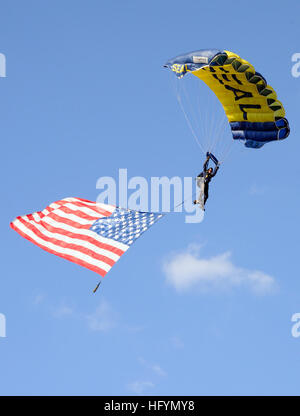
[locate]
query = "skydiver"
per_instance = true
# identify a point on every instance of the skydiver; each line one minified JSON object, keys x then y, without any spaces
{"x":205,"y":177}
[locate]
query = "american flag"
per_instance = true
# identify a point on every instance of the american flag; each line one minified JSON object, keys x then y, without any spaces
{"x":91,"y":234}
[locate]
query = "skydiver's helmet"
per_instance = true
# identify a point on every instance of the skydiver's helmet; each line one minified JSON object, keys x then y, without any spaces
{"x":210,"y":170}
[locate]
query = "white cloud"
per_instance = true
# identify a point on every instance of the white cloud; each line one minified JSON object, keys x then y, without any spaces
{"x":63,"y":311}
{"x":158,"y":370}
{"x":39,"y":298}
{"x":139,"y":387}
{"x":134,"y":328}
{"x":153,"y":367}
{"x":177,"y":342}
{"x":256,"y":190}
{"x":103,"y":318}
{"x":188,"y":271}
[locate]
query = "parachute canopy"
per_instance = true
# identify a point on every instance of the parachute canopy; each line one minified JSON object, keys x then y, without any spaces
{"x":251,"y":106}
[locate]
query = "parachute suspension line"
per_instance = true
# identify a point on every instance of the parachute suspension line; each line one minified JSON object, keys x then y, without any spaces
{"x":211,"y":125}
{"x":189,"y":124}
{"x":198,"y":116}
{"x":204,"y":117}
{"x":175,"y":88}
{"x":227,"y":144}
{"x":217,"y":133}
{"x":211,"y":134}
{"x":178,"y":97}
{"x":193,"y":111}
{"x":181,"y":203}
{"x":227,"y":151}
{"x":208,"y":117}
{"x":206,"y":127}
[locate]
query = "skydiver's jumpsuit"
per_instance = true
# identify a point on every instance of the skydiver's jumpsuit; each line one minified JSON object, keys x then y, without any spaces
{"x":207,"y":177}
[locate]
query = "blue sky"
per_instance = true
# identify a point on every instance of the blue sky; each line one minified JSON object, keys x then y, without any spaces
{"x":85,"y":95}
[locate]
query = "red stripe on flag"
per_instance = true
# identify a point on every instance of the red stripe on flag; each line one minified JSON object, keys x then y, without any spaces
{"x":67,"y":221}
{"x":79,"y":213}
{"x":71,"y":246}
{"x":64,"y":256}
{"x":83,"y":237}
{"x":92,"y":205}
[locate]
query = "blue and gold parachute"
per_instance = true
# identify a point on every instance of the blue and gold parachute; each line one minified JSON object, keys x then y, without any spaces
{"x":255,"y":114}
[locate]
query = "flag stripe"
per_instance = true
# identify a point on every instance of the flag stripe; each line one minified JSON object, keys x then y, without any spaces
{"x":65,"y":213}
{"x":118,"y":248}
{"x":79,"y":212}
{"x":71,"y":242}
{"x":87,"y":233}
{"x":103,"y":209}
{"x":89,"y":212}
{"x":64,"y":218}
{"x":63,"y":251}
{"x":74,"y":259}
{"x":63,"y":229}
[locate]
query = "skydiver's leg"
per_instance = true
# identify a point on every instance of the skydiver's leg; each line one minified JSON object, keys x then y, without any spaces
{"x":205,"y":193}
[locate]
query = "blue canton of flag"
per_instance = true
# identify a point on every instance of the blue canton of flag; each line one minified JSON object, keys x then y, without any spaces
{"x":125,"y":225}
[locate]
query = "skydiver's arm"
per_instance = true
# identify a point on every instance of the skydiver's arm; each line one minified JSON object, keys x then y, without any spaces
{"x":205,"y":166}
{"x":215,"y":171}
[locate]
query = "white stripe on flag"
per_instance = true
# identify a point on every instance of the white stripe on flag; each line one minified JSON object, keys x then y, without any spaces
{"x":73,"y":240}
{"x":74,"y":253}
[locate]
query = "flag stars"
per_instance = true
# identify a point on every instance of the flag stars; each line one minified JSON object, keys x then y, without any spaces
{"x":125,"y":225}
